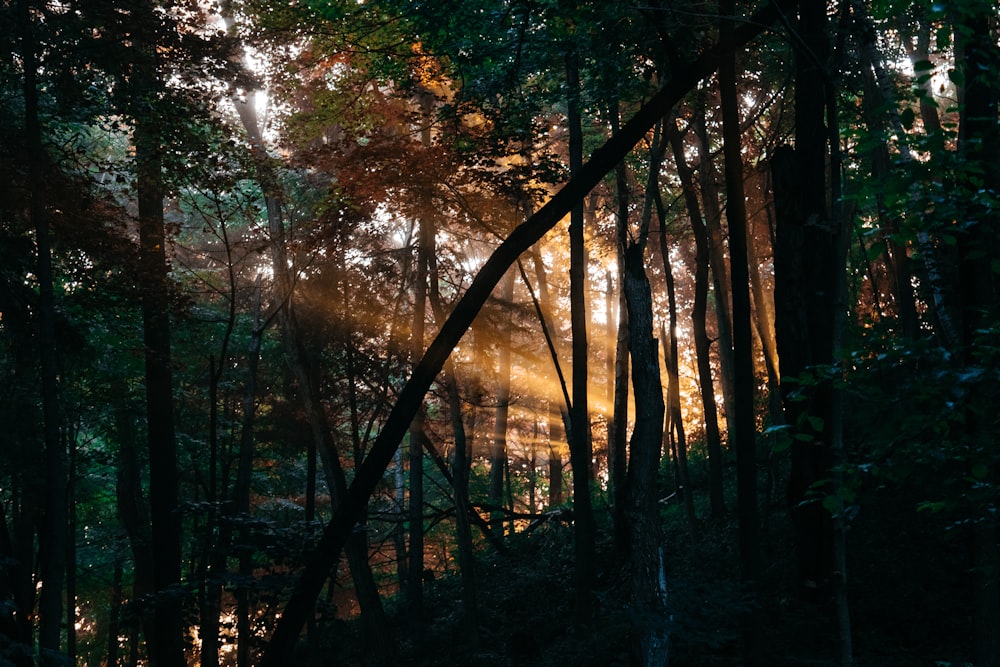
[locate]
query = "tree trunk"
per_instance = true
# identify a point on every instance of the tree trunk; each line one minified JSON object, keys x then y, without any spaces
{"x":214,"y":554}
{"x":114,"y":614}
{"x":805,"y":267}
{"x":463,"y":529}
{"x":743,"y":428}
{"x":373,"y":616}
{"x":52,"y":537}
{"x":579,"y":435}
{"x":498,"y":450}
{"x":675,"y":419}
{"x":763,"y":304}
{"x":717,"y":259}
{"x":166,"y":644}
{"x":650,"y":637}
{"x":131,"y":506}
{"x":70,"y":446}
{"x":713,"y":438}
{"x":557,"y":438}
{"x":556,"y":426}
{"x":618,"y":424}
{"x":415,"y":551}
{"x":650,"y":632}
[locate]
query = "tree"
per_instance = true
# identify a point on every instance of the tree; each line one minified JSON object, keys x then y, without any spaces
{"x":580,"y":449}
{"x":650,"y":637}
{"x":702,"y":343}
{"x":742,"y":424}
{"x":54,"y":535}
{"x":167,"y":643}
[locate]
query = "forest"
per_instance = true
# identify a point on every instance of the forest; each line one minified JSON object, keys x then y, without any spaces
{"x":499,"y":332}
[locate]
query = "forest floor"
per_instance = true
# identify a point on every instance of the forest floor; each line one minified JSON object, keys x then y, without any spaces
{"x":908,"y":599}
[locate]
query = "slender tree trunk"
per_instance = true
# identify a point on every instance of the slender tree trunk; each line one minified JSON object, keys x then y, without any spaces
{"x":244,"y":471}
{"x":579,"y":436}
{"x":650,"y":632}
{"x":167,"y":640}
{"x":743,"y":434}
{"x":557,"y":439}
{"x":498,"y":450}
{"x":463,"y":529}
{"x":53,"y":538}
{"x":839,"y":227}
{"x":556,"y":426}
{"x":807,"y":265}
{"x":25,"y":504}
{"x":650,"y":638}
{"x":70,"y":446}
{"x":114,"y":615}
{"x":131,"y":507}
{"x":214,"y":553}
{"x":713,"y":438}
{"x":675,"y":420}
{"x":415,"y":566}
{"x":763,"y":306}
{"x":210,"y":591}
{"x":717,"y":256}
{"x":618,"y":425}
{"x":399,"y":530}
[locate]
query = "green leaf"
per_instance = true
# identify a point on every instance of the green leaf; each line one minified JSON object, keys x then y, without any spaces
{"x":932,"y":506}
{"x":942,"y":40}
{"x":816,"y":423}
{"x":874,"y":251}
{"x":907,"y":117}
{"x":922,"y":65}
{"x":957,"y":77}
